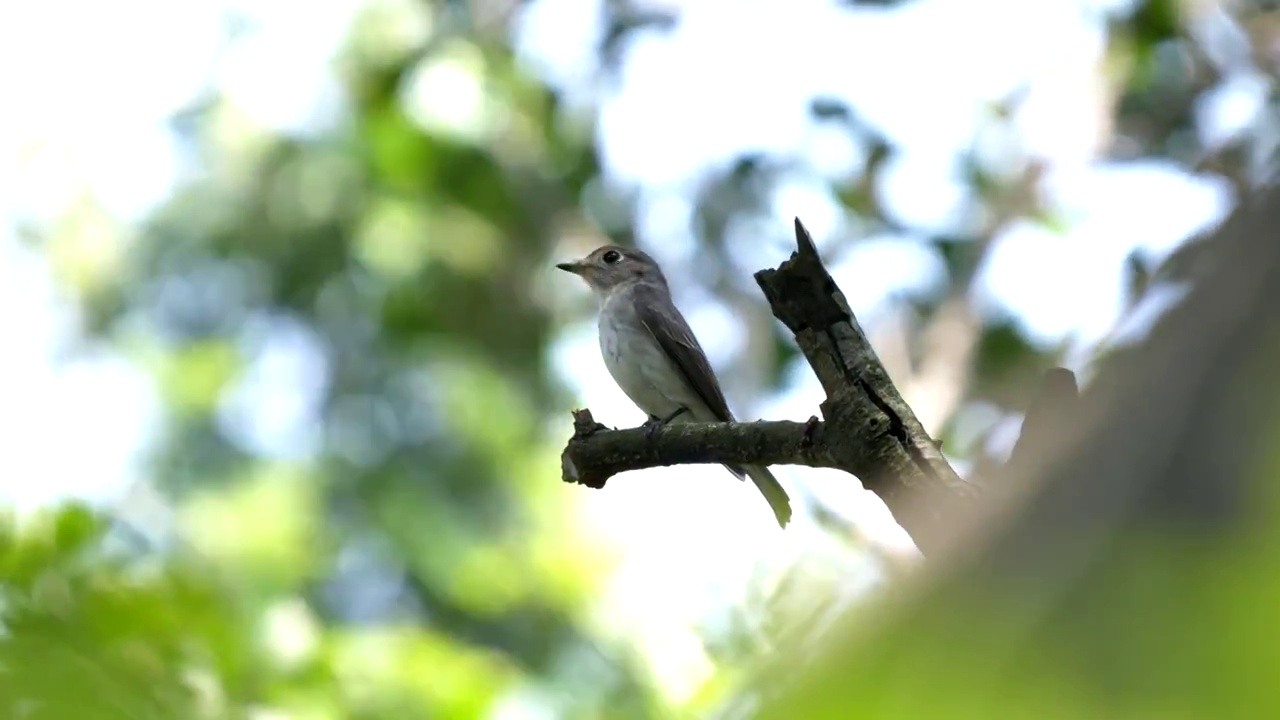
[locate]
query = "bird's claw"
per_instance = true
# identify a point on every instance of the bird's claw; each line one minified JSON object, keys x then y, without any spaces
{"x":655,"y":423}
{"x":651,"y":428}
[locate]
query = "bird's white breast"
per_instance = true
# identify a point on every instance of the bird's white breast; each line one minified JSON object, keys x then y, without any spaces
{"x":635,"y":360}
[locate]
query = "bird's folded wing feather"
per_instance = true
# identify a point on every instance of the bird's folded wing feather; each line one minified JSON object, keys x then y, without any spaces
{"x":663,"y":320}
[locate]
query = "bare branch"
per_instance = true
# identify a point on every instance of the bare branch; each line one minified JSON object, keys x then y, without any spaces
{"x":874,"y":433}
{"x":595,"y":453}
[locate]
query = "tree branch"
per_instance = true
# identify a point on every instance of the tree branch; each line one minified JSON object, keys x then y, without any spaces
{"x":595,"y":453}
{"x":868,"y":430}
{"x":875,"y":434}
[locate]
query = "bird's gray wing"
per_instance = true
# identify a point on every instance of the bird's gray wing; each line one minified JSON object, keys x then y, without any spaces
{"x":663,"y":320}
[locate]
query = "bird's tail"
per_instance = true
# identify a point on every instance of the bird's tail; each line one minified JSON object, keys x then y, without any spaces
{"x":772,"y":491}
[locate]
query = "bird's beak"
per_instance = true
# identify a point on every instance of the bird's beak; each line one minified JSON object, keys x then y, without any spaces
{"x":574,"y":267}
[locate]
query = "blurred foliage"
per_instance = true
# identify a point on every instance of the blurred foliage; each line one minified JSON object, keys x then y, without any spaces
{"x":92,"y":629}
{"x":1164,"y":625}
{"x":393,"y":547}
{"x":378,"y":280}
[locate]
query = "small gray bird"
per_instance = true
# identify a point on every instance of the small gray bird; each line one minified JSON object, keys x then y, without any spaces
{"x":654,"y":357}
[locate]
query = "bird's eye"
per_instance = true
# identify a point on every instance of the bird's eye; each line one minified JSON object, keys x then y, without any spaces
{"x":612,"y":256}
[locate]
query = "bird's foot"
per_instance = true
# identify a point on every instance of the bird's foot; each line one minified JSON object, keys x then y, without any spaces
{"x":655,"y":423}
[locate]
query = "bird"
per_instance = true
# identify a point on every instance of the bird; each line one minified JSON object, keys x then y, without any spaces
{"x":653,"y":355}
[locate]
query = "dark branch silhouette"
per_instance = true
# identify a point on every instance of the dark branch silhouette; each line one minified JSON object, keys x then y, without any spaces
{"x":596,"y":453}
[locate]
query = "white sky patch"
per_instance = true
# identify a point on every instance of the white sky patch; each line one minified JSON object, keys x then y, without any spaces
{"x":870,"y":270}
{"x":94,"y":83}
{"x":1229,"y":109}
{"x":923,"y":190}
{"x":271,"y":407}
{"x":558,"y":40}
{"x":447,"y":94}
{"x":1073,"y":283}
{"x":75,"y":427}
{"x":812,"y":200}
{"x":700,"y":95}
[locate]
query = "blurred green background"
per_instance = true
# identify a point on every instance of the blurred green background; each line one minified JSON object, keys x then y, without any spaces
{"x":288,"y":369}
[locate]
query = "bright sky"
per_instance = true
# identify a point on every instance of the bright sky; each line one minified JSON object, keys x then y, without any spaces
{"x":88,"y":87}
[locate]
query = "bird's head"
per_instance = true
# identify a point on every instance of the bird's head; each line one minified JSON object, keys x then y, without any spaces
{"x":610,"y":267}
